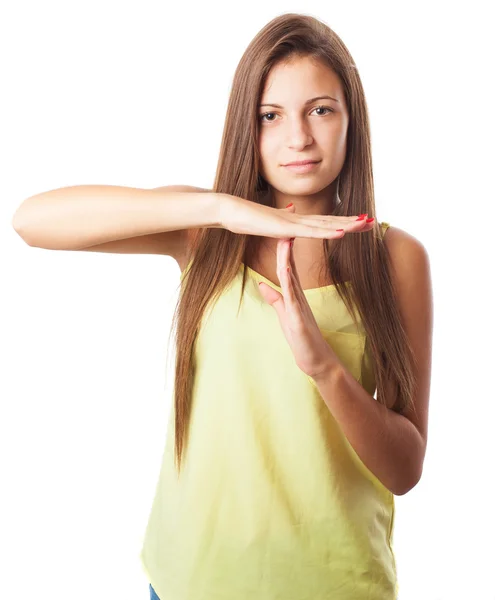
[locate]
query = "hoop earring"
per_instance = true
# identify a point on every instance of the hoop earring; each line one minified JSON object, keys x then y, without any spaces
{"x":338,"y":199}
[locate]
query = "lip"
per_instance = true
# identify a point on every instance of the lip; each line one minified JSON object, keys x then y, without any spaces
{"x":300,"y":162}
{"x":305,"y":167}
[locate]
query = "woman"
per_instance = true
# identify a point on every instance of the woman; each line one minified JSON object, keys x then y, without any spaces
{"x":280,"y":467}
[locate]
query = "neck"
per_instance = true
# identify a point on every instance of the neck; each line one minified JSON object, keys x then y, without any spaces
{"x":321,"y":203}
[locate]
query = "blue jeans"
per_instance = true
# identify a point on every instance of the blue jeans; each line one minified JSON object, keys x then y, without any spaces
{"x":153,"y":594}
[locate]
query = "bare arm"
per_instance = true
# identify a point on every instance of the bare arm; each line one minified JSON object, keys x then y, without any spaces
{"x":87,"y":216}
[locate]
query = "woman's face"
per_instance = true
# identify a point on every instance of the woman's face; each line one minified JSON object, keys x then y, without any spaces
{"x":300,"y":131}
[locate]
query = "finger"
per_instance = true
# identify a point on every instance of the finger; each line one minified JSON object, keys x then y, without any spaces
{"x":292,"y":209}
{"x":334,"y":223}
{"x":349,"y":224}
{"x":335,"y":231}
{"x":294,"y":281}
{"x":339,"y":219}
{"x":329,"y":227}
{"x":286,"y":275}
{"x":295,"y":301}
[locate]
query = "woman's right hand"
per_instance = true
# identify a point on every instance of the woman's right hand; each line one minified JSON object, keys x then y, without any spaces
{"x":243,"y":216}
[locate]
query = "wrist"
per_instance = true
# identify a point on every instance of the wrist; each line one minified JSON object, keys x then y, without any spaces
{"x":223,"y":205}
{"x":215,"y":208}
{"x":331,"y":369}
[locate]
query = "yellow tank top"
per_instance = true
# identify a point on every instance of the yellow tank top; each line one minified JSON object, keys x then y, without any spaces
{"x":272,"y":503}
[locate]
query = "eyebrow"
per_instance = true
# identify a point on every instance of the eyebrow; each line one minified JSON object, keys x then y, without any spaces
{"x":310,"y":101}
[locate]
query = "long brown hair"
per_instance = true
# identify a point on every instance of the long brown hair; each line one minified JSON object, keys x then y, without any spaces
{"x":362,"y":259}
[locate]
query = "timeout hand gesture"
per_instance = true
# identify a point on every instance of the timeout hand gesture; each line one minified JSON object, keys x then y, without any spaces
{"x":311,"y":351}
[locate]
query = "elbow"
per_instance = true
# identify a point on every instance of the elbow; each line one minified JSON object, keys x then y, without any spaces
{"x":16,"y":222}
{"x":17,"y":219}
{"x":413,"y":469}
{"x":20,"y":230}
{"x":22,"y":225}
{"x":404,"y":490}
{"x":409,"y":484}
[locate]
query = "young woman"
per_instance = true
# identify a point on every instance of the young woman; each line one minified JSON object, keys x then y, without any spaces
{"x":280,"y":465}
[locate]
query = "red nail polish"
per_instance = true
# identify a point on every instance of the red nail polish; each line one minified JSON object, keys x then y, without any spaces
{"x":370,"y":220}
{"x":361,"y":218}
{"x":289,"y":205}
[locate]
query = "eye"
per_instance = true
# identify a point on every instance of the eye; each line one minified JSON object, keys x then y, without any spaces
{"x":327,"y":108}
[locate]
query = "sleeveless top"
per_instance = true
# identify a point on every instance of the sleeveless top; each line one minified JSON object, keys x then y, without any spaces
{"x":273,"y":502}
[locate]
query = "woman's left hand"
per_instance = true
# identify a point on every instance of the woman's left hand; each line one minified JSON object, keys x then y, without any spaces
{"x":311,"y":351}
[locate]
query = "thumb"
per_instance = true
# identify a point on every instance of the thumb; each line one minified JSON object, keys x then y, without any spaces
{"x":269,"y":295}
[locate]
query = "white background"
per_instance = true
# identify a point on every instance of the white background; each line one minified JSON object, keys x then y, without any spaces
{"x":135,"y":94}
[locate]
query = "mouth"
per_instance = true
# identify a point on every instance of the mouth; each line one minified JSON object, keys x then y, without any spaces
{"x":298,"y":163}
{"x":302,"y":167}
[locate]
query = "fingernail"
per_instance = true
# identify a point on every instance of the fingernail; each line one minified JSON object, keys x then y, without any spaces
{"x":361,"y":217}
{"x":370,"y":220}
{"x":289,"y":205}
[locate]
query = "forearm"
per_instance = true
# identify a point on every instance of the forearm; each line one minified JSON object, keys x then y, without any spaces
{"x":387,"y":443}
{"x":77,"y":217}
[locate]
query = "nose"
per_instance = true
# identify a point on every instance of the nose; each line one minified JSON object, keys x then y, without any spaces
{"x":299,"y":134}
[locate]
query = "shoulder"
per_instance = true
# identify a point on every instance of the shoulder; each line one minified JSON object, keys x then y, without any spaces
{"x":410,"y":272}
{"x":406,"y":252}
